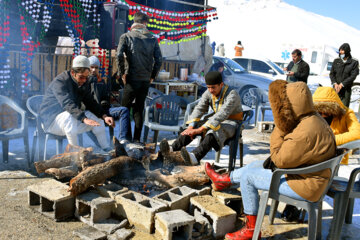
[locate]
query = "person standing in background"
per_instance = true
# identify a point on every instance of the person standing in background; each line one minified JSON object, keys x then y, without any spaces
{"x":221,"y":50}
{"x":139,"y":60}
{"x":238,"y":49}
{"x":213,"y":45}
{"x":298,"y":69}
{"x":343,"y":73}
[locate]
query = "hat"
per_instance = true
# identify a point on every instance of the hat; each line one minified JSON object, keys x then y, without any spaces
{"x":94,"y":61}
{"x":213,"y":78}
{"x":81,"y":62}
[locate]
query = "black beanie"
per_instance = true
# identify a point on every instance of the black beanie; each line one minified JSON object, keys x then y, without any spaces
{"x":213,"y":78}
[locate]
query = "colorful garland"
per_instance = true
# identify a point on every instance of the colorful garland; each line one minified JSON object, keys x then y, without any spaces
{"x":4,"y":53}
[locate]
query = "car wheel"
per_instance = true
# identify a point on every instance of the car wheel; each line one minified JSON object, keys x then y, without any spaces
{"x":246,"y":97}
{"x":355,"y":93}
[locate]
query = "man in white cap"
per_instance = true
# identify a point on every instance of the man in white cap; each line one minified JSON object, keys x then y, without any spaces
{"x":101,"y":93}
{"x":61,"y":111}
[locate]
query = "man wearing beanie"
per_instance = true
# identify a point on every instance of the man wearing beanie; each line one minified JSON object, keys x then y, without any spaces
{"x":60,"y":110}
{"x":216,"y":129}
{"x":343,"y":73}
{"x":139,"y":60}
{"x":101,"y":93}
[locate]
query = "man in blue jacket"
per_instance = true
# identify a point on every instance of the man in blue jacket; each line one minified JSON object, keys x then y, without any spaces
{"x":61,"y":111}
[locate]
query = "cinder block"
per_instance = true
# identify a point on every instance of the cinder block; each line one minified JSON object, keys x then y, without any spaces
{"x":177,"y":197}
{"x":230,"y":197}
{"x":89,"y":233}
{"x":175,"y":224}
{"x":265,"y":127}
{"x":52,"y":199}
{"x":202,"y":227}
{"x":121,"y":234}
{"x":203,"y":191}
{"x":139,"y":209}
{"x":222,"y":217}
{"x":110,"y":190}
{"x":96,"y":211}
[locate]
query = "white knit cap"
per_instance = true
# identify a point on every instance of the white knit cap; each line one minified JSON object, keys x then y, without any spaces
{"x":94,"y":61}
{"x":81,"y":62}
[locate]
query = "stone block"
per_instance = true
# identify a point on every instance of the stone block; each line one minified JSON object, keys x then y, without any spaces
{"x":89,"y":233}
{"x":220,"y":216}
{"x":229,"y":197}
{"x":121,"y":234}
{"x":110,"y":190}
{"x":202,"y":227}
{"x":265,"y":127}
{"x":140,"y":210}
{"x":177,"y":197}
{"x":203,"y":191}
{"x":174,"y":224}
{"x":96,"y":211}
{"x":52,"y":199}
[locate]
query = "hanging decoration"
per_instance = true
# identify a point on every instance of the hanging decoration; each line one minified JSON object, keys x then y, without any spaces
{"x":173,"y":26}
{"x":4,"y":53}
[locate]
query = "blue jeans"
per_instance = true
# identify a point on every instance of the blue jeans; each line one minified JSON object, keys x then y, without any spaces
{"x":122,"y":114}
{"x":253,"y":177}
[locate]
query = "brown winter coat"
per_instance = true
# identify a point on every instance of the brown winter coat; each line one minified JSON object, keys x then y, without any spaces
{"x":301,"y":137}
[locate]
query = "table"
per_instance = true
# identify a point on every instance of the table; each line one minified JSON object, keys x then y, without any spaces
{"x":177,"y":84}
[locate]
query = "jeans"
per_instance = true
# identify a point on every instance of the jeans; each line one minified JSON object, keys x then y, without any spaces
{"x":122,"y":114}
{"x":253,"y":177}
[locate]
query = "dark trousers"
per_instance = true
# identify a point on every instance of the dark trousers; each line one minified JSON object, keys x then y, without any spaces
{"x":345,"y":96}
{"x":205,"y":146}
{"x":136,"y":90}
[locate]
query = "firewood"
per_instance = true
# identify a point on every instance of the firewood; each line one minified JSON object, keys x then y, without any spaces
{"x":98,"y":174}
{"x":63,"y":160}
{"x":61,"y":173}
{"x":73,"y":148}
{"x":188,"y":175}
{"x":119,"y":148}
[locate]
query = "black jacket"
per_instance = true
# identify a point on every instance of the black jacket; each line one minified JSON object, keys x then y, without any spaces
{"x":64,"y":94}
{"x":143,"y":56}
{"x":303,"y":71}
{"x":344,"y":72}
{"x":101,"y":92}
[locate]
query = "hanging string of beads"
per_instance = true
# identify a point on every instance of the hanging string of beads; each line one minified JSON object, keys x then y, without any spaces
{"x":4,"y":53}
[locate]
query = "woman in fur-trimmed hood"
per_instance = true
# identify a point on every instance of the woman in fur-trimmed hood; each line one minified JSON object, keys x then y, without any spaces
{"x":341,"y":119}
{"x":301,"y":138}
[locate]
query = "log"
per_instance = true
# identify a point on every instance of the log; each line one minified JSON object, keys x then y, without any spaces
{"x":63,"y":160}
{"x":193,"y":176}
{"x":98,"y":174}
{"x":64,"y":172}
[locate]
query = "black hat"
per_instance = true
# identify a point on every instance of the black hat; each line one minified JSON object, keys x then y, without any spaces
{"x":213,"y":78}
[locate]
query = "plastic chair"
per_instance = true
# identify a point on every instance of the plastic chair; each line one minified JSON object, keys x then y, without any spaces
{"x":165,"y":115}
{"x":261,"y":102}
{"x":33,"y":105}
{"x":313,"y":208}
{"x":21,"y":132}
{"x":344,"y":191}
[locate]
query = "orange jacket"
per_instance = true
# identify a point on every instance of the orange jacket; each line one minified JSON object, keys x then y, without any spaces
{"x":238,"y":50}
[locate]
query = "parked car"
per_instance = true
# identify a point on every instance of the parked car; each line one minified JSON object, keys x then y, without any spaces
{"x":263,"y":67}
{"x":236,"y":76}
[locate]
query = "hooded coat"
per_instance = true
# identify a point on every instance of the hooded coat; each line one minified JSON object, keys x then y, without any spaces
{"x":344,"y":124}
{"x":301,"y":137}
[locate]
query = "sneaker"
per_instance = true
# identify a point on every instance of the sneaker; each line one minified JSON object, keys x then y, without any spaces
{"x":124,"y":141}
{"x":189,"y":158}
{"x":164,"y":146}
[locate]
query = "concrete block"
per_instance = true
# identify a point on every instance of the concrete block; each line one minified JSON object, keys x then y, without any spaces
{"x":110,"y":190}
{"x":204,"y":191}
{"x":174,"y":224}
{"x":96,"y":211}
{"x":177,"y":197}
{"x":265,"y":127}
{"x":140,"y":210}
{"x":202,"y":227}
{"x":220,"y":216}
{"x":89,"y":233}
{"x":121,"y":234}
{"x":52,"y":199}
{"x":231,"y":198}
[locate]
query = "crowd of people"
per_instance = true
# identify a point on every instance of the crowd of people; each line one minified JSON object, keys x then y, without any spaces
{"x":308,"y":128}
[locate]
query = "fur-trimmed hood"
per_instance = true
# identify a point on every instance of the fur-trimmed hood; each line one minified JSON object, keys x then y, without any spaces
{"x":289,"y":103}
{"x":328,"y":102}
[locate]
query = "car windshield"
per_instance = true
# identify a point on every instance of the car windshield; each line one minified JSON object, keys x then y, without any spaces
{"x":234,"y":66}
{"x":276,"y":67}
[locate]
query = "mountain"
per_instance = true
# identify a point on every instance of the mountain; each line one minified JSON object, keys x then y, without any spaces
{"x":265,"y":27}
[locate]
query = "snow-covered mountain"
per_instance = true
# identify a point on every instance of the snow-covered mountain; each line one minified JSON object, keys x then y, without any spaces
{"x":267,"y":27}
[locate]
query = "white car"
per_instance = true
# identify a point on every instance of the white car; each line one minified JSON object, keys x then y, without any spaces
{"x":263,"y":67}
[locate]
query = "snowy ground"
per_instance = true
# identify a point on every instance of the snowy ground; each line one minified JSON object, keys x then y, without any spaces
{"x":256,"y":147}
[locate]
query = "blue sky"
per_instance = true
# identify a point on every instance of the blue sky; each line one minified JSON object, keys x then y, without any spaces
{"x":346,"y":11}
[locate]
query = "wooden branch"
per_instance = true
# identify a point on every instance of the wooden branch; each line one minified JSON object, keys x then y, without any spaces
{"x":61,"y":173}
{"x":99,"y":173}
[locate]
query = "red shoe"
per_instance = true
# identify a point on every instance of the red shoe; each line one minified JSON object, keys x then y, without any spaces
{"x":247,"y":232}
{"x":220,"y":181}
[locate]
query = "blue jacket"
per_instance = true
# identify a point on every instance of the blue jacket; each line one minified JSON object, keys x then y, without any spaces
{"x":64,"y":94}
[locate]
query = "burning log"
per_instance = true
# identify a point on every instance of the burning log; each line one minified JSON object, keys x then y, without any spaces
{"x":99,"y":173}
{"x":64,"y":172}
{"x":185,"y":175}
